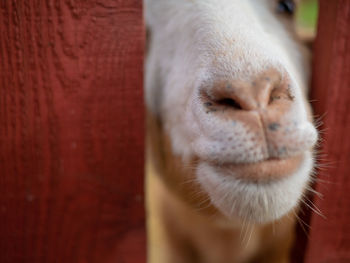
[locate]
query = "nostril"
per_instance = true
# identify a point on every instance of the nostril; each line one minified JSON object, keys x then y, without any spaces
{"x":280,"y":93}
{"x":269,"y":88}
{"x":216,"y":100}
{"x":229,"y":102}
{"x":275,"y":95}
{"x":219,"y":99}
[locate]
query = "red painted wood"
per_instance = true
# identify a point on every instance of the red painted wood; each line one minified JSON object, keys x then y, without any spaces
{"x":329,"y":240}
{"x":71,"y":131}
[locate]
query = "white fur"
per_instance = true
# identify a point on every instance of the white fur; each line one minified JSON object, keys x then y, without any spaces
{"x":262,"y":202}
{"x":194,"y":43}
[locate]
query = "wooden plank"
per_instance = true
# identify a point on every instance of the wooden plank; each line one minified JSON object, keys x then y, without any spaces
{"x":329,"y":240}
{"x":71,"y":131}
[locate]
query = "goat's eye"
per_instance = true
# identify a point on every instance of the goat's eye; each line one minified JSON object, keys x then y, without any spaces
{"x":286,"y":7}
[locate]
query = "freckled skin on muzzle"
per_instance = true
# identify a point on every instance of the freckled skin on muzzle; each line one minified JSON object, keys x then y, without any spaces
{"x":230,"y":132}
{"x":253,"y":120}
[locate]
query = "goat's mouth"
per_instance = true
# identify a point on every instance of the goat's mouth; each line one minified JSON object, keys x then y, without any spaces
{"x":270,"y":169}
{"x":258,"y":192}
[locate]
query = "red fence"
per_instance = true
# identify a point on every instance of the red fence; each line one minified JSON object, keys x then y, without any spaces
{"x":71,"y":131}
{"x":329,"y":240}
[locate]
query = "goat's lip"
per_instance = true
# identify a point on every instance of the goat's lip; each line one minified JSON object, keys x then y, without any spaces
{"x":266,"y":170}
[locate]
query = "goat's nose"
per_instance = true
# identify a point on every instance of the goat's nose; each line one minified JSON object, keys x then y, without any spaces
{"x":253,"y":94}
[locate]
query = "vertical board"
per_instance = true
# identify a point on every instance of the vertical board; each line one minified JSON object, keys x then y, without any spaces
{"x":71,"y":131}
{"x":329,"y":240}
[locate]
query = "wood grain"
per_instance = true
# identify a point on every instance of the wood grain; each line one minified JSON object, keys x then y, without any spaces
{"x":71,"y":131}
{"x":329,"y":240}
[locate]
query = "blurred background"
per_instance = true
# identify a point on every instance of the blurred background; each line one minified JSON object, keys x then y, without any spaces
{"x":306,"y":16}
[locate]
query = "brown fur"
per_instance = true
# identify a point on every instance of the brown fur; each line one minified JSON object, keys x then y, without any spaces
{"x":178,"y":233}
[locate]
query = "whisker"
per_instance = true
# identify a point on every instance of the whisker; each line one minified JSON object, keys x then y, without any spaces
{"x":302,"y":224}
{"x":320,"y":195}
{"x":251,"y":227}
{"x":313,"y":207}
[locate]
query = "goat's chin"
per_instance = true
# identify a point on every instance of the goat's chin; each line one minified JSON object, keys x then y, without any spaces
{"x":259,"y":201}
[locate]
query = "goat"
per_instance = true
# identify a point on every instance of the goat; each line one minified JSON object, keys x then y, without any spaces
{"x":230,"y":133}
